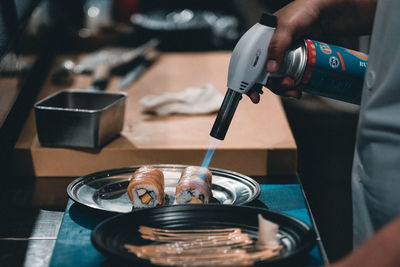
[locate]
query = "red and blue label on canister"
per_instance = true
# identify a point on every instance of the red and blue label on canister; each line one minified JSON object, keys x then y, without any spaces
{"x":333,"y":71}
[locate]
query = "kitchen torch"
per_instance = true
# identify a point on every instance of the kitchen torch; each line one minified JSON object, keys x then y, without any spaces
{"x":247,"y":70}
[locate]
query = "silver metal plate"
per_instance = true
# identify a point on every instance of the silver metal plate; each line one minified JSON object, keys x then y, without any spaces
{"x":106,"y":190}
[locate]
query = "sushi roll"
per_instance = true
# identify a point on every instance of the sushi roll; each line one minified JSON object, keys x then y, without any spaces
{"x":146,"y":187}
{"x":194,"y":186}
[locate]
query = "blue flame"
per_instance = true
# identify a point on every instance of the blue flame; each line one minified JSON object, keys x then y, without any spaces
{"x":208,"y":157}
{"x":209,"y":153}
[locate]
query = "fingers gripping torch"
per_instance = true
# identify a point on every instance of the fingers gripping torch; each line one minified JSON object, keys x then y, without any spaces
{"x":247,"y":71}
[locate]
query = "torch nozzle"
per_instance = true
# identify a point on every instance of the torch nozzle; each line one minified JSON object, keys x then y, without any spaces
{"x":225,"y":114}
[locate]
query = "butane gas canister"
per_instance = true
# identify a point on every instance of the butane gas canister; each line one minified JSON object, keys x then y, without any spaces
{"x":326,"y":70}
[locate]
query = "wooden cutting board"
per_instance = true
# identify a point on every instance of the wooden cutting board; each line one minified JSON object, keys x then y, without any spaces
{"x":258,"y":142}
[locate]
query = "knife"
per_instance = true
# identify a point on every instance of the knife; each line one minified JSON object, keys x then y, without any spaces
{"x":133,"y":75}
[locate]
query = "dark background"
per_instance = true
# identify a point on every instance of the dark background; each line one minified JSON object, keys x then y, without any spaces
{"x":324,"y":130}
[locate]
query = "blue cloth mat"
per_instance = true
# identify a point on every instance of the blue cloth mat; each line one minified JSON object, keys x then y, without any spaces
{"x":74,"y":247}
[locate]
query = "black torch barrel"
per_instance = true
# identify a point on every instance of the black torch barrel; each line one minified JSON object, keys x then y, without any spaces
{"x":225,"y":114}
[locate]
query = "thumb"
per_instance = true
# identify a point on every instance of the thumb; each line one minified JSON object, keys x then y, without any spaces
{"x":279,"y":44}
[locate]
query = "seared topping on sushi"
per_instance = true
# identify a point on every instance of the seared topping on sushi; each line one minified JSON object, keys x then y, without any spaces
{"x":146,"y":187}
{"x":194,"y":186}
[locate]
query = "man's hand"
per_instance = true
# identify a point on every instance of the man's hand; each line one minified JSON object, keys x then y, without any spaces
{"x":294,"y":21}
{"x":315,"y":19}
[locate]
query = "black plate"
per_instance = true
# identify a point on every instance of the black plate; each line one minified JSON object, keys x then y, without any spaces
{"x":110,"y":236}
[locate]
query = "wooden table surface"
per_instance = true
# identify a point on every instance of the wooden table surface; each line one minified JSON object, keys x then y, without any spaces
{"x":259,"y":141}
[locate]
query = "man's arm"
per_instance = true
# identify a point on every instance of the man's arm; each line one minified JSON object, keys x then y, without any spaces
{"x":382,"y":250}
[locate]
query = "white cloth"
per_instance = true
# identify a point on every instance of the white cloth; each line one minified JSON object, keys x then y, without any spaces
{"x":193,"y":100}
{"x":376,"y":166}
